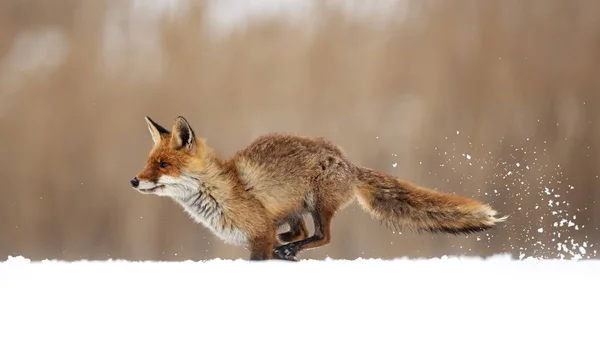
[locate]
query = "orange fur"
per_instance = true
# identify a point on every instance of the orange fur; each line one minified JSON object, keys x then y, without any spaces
{"x":278,"y":179}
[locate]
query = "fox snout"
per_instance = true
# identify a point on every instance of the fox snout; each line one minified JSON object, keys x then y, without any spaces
{"x":148,"y":186}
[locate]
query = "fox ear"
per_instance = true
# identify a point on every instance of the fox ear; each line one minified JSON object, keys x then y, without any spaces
{"x":183,"y":136}
{"x":156,"y":131}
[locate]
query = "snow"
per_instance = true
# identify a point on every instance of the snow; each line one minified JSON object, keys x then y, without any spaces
{"x":546,"y":229}
{"x":450,"y":296}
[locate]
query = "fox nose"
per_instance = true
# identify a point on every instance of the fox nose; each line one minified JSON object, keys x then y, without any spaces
{"x":135,"y":182}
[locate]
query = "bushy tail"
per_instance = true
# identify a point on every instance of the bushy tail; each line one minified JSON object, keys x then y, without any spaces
{"x":400,"y":204}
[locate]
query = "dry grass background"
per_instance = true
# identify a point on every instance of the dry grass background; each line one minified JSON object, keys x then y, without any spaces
{"x":519,"y":81}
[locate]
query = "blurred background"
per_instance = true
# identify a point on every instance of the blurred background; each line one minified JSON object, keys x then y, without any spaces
{"x":496,"y":100}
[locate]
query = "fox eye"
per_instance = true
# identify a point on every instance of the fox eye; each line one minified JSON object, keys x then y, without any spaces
{"x":164,"y":164}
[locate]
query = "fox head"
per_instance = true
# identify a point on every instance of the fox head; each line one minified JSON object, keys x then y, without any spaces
{"x":169,"y":167}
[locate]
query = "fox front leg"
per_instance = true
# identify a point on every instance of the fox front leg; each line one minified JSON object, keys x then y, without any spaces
{"x":261,"y":245}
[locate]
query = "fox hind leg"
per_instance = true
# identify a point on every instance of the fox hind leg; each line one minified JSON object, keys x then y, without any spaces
{"x":297,"y":232}
{"x":333,"y":190}
{"x":321,"y":236}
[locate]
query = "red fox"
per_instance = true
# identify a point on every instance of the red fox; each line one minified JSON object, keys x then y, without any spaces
{"x":278,"y":179}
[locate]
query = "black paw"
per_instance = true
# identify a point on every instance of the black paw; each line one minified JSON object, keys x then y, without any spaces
{"x":286,"y":252}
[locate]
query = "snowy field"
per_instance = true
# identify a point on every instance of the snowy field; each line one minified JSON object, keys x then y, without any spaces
{"x":454,"y":296}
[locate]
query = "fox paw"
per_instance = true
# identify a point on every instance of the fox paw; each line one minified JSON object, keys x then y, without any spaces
{"x":286,"y":252}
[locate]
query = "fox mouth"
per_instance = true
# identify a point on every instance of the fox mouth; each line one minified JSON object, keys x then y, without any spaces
{"x":151,"y":189}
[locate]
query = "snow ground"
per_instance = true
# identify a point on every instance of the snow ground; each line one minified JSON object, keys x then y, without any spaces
{"x":454,"y":296}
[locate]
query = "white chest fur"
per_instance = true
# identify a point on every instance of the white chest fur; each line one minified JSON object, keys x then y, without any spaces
{"x":205,"y":210}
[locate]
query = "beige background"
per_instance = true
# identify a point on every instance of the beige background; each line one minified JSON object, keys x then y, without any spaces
{"x":496,"y":100}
